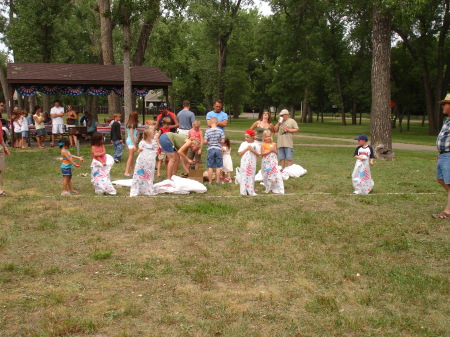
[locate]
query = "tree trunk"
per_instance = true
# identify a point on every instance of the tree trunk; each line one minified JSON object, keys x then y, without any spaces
{"x":127,"y":68}
{"x":341,"y":95}
{"x":5,"y":88}
{"x":236,"y":108}
{"x":380,"y":126}
{"x":354,"y":111}
{"x":106,"y":27}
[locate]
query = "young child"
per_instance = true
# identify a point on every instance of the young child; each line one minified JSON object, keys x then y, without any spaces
{"x":161,"y":156}
{"x":196,"y":136}
{"x":25,"y":129}
{"x":131,"y":141}
{"x":361,"y":177}
{"x":214,"y":137}
{"x":66,"y":167}
{"x":17,"y":130}
{"x":144,"y":169}
{"x":272,"y":179}
{"x":249,"y":151}
{"x":100,"y":166}
{"x":98,"y":150}
{"x":227,"y":167}
{"x":116,"y":138}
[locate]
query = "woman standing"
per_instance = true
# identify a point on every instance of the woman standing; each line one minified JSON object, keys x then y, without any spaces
{"x":131,"y":141}
{"x":40,"y":126}
{"x":264,"y":123}
{"x":71,"y":121}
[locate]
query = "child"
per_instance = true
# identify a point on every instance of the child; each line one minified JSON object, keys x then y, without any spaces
{"x":271,"y":175}
{"x":132,"y":138}
{"x":98,"y":150}
{"x":100,"y":166}
{"x":196,"y":136}
{"x":214,"y":137}
{"x":25,"y":129}
{"x":17,"y":130}
{"x":145,"y":165}
{"x":227,"y":167}
{"x":161,"y":156}
{"x":361,"y":177}
{"x":116,"y":138}
{"x":40,"y":126}
{"x":66,"y":167}
{"x":249,"y":151}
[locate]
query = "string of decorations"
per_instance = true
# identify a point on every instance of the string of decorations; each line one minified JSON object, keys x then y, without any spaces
{"x":30,"y":90}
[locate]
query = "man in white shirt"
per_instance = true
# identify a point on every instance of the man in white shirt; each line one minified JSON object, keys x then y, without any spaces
{"x":57,"y":113}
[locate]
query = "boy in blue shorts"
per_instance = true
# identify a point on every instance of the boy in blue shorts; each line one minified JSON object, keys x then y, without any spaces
{"x":214,"y":137}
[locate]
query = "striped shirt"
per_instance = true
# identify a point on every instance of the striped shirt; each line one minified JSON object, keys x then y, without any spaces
{"x":443,"y":139}
{"x":214,"y":137}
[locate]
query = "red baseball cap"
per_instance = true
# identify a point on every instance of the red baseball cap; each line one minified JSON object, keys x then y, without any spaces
{"x":250,"y":132}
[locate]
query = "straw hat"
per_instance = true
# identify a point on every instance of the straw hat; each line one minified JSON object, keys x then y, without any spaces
{"x":445,"y":100}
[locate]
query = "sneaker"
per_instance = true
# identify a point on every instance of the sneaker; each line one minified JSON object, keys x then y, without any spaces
{"x":208,"y":184}
{"x":228,"y":180}
{"x":218,"y":184}
{"x":116,"y":160}
{"x":222,"y":178}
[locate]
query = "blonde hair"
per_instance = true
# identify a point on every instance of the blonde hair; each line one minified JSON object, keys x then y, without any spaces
{"x":266,"y":133}
{"x":166,"y":120}
{"x":149,"y":132}
{"x":213,"y":120}
{"x":196,"y":122}
{"x":117,"y":115}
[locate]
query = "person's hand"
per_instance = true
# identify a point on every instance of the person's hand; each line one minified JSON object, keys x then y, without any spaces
{"x":81,"y":159}
{"x":76,"y":165}
{"x":104,"y":164}
{"x":199,"y":151}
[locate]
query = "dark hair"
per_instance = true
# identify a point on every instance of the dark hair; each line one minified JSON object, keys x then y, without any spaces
{"x":56,"y":100}
{"x":186,"y":104}
{"x":219,"y":101}
{"x":227,"y":143}
{"x":62,"y":142}
{"x":262,"y":113}
{"x":133,"y":119}
{"x":97,"y":139}
{"x":37,"y":107}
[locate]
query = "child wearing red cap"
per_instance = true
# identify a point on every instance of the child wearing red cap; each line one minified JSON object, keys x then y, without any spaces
{"x":249,"y":151}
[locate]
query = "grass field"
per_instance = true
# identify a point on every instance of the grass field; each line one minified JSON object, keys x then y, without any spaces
{"x":318,"y":261}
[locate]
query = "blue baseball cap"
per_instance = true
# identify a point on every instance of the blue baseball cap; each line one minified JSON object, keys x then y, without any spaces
{"x":362,"y":137}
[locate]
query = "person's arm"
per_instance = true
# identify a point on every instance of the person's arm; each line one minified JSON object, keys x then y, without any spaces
{"x":131,"y":131}
{"x":2,"y":141}
{"x":254,"y":125}
{"x":242,"y":149}
{"x":65,"y":154}
{"x":276,"y":127}
{"x":175,"y":120}
{"x":274,"y":148}
{"x":222,"y":123}
{"x":201,"y":143}
{"x":265,"y":152}
{"x":252,"y":150}
{"x":184,"y":149}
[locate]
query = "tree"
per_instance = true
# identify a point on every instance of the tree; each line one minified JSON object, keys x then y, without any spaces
{"x":380,"y":126}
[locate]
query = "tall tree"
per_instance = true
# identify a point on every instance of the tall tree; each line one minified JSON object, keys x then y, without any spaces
{"x":380,"y":125}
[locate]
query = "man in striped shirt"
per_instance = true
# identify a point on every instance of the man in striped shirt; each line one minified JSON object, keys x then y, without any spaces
{"x":443,"y":163}
{"x":213,"y":137}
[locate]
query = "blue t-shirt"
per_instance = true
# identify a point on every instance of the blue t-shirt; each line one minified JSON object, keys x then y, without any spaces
{"x":221,"y":116}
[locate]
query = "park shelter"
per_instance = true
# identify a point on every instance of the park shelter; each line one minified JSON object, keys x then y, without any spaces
{"x":77,"y":79}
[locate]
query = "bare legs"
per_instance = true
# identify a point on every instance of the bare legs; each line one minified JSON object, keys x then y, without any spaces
{"x":447,"y":188}
{"x":172,"y":165}
{"x":130,"y":163}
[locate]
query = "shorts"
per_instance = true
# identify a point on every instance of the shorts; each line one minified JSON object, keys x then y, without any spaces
{"x":166,"y":144}
{"x":161,"y":157}
{"x":41,"y":132}
{"x":443,"y":167}
{"x":183,"y":132}
{"x":66,"y":171}
{"x":194,"y":156}
{"x":57,"y":129}
{"x":131,"y":147}
{"x":285,"y":153}
{"x":214,"y":159}
{"x":18,"y":135}
{"x":24,"y":134}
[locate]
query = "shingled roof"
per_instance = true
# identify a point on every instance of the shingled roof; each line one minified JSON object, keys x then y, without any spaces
{"x":83,"y":74}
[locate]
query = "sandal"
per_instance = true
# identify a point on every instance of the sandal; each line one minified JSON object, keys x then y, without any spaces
{"x":3,"y":194}
{"x":65,"y":193}
{"x":442,"y":215}
{"x":184,"y":175}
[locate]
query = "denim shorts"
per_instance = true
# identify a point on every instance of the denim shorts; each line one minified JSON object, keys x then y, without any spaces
{"x":24,"y":134}
{"x":214,"y":159}
{"x":443,"y":167}
{"x":66,"y":171}
{"x":166,"y":144}
{"x":285,"y":153}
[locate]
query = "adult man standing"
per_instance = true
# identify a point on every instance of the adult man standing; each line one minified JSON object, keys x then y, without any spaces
{"x":185,"y":117}
{"x":164,"y":112}
{"x":443,"y":160}
{"x":57,"y":113}
{"x":221,"y":116}
{"x":3,"y":152}
{"x":286,"y":127}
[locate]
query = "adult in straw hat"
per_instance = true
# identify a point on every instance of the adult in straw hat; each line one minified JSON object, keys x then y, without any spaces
{"x":443,"y":162}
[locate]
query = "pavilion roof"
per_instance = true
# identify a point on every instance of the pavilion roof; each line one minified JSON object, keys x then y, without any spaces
{"x":84,"y":74}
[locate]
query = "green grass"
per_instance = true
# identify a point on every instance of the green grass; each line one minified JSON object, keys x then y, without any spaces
{"x":318,"y":261}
